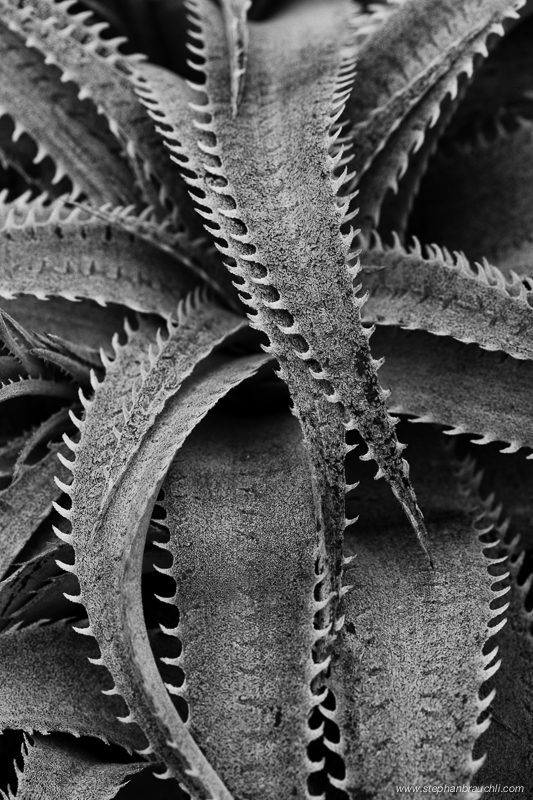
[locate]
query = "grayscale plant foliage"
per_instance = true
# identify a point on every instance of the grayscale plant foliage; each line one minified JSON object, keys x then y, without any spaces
{"x":244,"y":245}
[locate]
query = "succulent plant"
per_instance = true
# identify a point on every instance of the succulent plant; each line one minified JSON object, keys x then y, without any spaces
{"x":243,"y":246}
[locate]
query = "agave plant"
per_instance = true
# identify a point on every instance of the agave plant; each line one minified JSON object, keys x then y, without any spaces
{"x":239,"y":243}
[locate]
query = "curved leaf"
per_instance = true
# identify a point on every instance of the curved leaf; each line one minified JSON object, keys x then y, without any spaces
{"x":50,"y":685}
{"x":243,"y":538}
{"x":200,"y":328}
{"x":309,"y":313}
{"x":69,"y":131}
{"x":27,"y":502}
{"x":439,"y":380}
{"x":40,"y":387}
{"x":104,"y":75}
{"x":54,"y":769}
{"x":447,"y":296}
{"x":114,"y":604}
{"x":48,"y":250}
{"x":405,"y":70}
{"x":409,"y":663}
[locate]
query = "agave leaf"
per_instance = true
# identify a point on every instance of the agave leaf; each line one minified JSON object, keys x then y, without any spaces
{"x":282,"y":273}
{"x":405,"y":70}
{"x":66,"y":365}
{"x":85,"y":258}
{"x":488,"y":213}
{"x":506,"y":743}
{"x":49,"y":685}
{"x":399,"y":167}
{"x":104,"y":75}
{"x":243,"y":537}
{"x":102,"y":423}
{"x":84,"y":356}
{"x":200,"y":328}
{"x":114,"y":602}
{"x":18,"y":346}
{"x":24,"y":594}
{"x":55,"y":769}
{"x":41,"y":589}
{"x":50,"y":429}
{"x":37,"y":387}
{"x":27,"y":502}
{"x":439,"y":380}
{"x":91,"y":478}
{"x":392,"y":211}
{"x":410,"y":664}
{"x":71,"y":132}
{"x":447,"y":296}
{"x":89,"y":325}
{"x":501,"y":85}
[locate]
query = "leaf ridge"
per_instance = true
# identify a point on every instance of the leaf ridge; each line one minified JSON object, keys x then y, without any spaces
{"x":82,"y":147}
{"x":85,"y":258}
{"x":116,"y":613}
{"x":393,"y":714}
{"x":286,"y":307}
{"x":198,"y":329}
{"x":59,"y":770}
{"x":405,"y":71}
{"x":103,"y":75}
{"x":447,"y":295}
{"x":436,"y":379}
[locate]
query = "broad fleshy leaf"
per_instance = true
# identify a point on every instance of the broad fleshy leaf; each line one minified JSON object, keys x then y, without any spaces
{"x":82,"y":147}
{"x":55,"y":769}
{"x":50,"y":685}
{"x":447,"y":296}
{"x":438,"y":380}
{"x":410,"y":660}
{"x":47,"y":250}
{"x":405,"y":70}
{"x":317,"y":341}
{"x":244,"y":545}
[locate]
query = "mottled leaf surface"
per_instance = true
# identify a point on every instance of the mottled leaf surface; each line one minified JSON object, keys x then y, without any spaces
{"x":449,"y":297}
{"x":309,"y":313}
{"x":405,"y":70}
{"x":439,"y":380}
{"x":243,"y":538}
{"x":114,"y":602}
{"x":54,"y":769}
{"x":48,"y":684}
{"x":64,"y":128}
{"x":47,"y":251}
{"x":410,"y":664}
{"x":26,"y":503}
